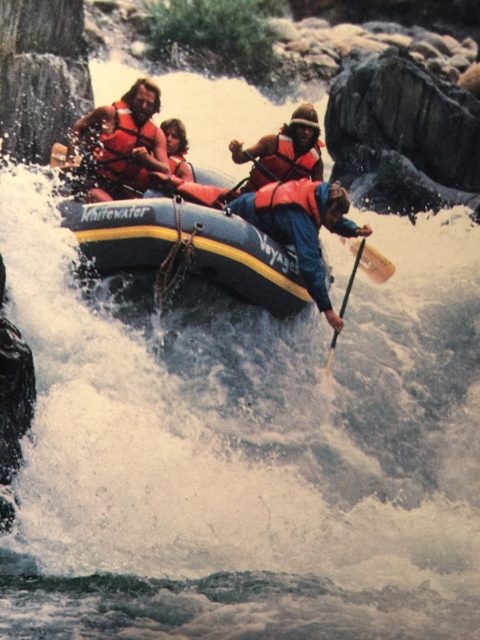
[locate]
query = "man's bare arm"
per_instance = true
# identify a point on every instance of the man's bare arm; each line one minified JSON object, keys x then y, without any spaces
{"x":266,"y":146}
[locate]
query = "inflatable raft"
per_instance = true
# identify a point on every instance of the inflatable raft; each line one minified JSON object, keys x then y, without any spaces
{"x":129,"y":236}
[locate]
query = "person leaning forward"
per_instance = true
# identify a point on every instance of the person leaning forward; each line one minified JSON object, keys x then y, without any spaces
{"x":292,"y":213}
{"x":292,"y":154}
{"x":121,"y":145}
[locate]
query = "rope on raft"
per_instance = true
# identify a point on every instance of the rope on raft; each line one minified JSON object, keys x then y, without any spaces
{"x":173,"y":269}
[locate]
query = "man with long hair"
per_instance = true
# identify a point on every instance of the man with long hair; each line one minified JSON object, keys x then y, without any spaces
{"x":121,"y":145}
{"x":292,"y":154}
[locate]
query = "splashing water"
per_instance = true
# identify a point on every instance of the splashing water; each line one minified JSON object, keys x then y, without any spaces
{"x":211,"y":440}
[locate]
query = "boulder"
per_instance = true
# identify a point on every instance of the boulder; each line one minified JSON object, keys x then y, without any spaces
{"x":392,"y":128}
{"x":459,"y":18}
{"x":470,"y":80}
{"x":17,"y":397}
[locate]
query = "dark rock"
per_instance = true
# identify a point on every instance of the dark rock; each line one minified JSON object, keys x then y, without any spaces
{"x":408,"y":12}
{"x":17,"y":397}
{"x":390,"y":183}
{"x":377,"y":26}
{"x":7,"y":515}
{"x":2,"y":281}
{"x":18,"y":564}
{"x":108,"y":6}
{"x":405,"y":135}
{"x":44,"y":76}
{"x":467,"y":10}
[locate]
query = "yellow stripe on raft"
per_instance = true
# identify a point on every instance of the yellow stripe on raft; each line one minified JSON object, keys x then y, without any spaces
{"x":207,"y":244}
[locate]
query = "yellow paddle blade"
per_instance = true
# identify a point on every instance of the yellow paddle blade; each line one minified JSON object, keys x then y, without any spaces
{"x":373,"y":263}
{"x":59,"y":157}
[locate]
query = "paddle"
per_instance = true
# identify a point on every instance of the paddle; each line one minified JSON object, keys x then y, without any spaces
{"x":58,"y":155}
{"x":373,"y":263}
{"x":361,"y":248}
{"x":58,"y":160}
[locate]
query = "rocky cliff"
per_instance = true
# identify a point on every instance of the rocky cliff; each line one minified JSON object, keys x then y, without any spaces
{"x":401,"y":139}
{"x":44,"y":76}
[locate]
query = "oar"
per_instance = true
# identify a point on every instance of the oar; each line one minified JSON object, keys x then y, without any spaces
{"x":328,"y":366}
{"x":58,"y":160}
{"x":59,"y":155}
{"x":373,"y":263}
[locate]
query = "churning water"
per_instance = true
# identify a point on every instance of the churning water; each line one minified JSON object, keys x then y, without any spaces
{"x":199,"y":475}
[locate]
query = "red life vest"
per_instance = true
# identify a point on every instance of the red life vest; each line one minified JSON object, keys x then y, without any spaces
{"x":284,"y":165}
{"x":299,"y":192}
{"x":110,"y":155}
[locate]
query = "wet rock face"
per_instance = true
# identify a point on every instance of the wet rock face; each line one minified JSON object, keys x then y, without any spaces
{"x":17,"y":396}
{"x":402,"y":138}
{"x":44,"y":76}
{"x":46,"y":26}
{"x":2,"y":281}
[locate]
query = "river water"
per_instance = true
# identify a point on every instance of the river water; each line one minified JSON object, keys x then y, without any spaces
{"x":199,"y":475}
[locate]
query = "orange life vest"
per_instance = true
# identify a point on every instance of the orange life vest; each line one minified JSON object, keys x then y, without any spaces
{"x":299,"y":192}
{"x":175,"y":162}
{"x":284,"y":165}
{"x":205,"y":194}
{"x":110,"y":154}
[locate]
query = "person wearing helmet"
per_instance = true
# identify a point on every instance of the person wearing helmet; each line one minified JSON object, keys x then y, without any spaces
{"x":292,"y":154}
{"x":292,"y":213}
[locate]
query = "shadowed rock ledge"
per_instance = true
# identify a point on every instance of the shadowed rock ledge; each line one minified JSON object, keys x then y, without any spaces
{"x":402,"y":140}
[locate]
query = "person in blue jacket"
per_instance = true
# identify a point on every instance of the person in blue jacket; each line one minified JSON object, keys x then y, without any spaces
{"x":292,"y":213}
